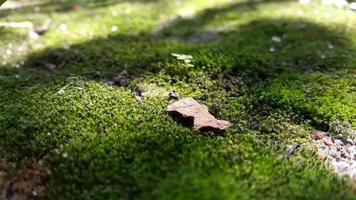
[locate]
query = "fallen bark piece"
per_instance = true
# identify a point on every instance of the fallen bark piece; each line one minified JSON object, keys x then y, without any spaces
{"x":202,"y":119}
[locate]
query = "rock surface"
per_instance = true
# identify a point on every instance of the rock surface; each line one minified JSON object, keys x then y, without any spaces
{"x":338,"y":151}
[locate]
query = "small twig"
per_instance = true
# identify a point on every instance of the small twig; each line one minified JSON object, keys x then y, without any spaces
{"x":62,"y":90}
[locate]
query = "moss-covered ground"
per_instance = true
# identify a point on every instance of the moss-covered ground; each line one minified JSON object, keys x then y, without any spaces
{"x":100,"y":142}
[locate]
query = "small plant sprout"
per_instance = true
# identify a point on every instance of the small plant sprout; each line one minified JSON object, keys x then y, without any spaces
{"x":187,"y":59}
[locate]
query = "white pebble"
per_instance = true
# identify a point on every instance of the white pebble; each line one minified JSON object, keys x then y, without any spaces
{"x":330,"y":46}
{"x":9,"y":52}
{"x":41,"y":162}
{"x":276,"y":39}
{"x":114,"y":28}
{"x":65,"y":155}
{"x":37,"y":9}
{"x":33,"y":35}
{"x":16,"y":66}
{"x":21,"y":49}
{"x":63,"y":27}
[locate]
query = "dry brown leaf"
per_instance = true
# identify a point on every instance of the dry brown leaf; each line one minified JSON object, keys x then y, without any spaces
{"x":202,"y":119}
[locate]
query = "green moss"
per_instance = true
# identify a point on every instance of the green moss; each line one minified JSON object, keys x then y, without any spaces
{"x":321,"y":97}
{"x":100,"y":142}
